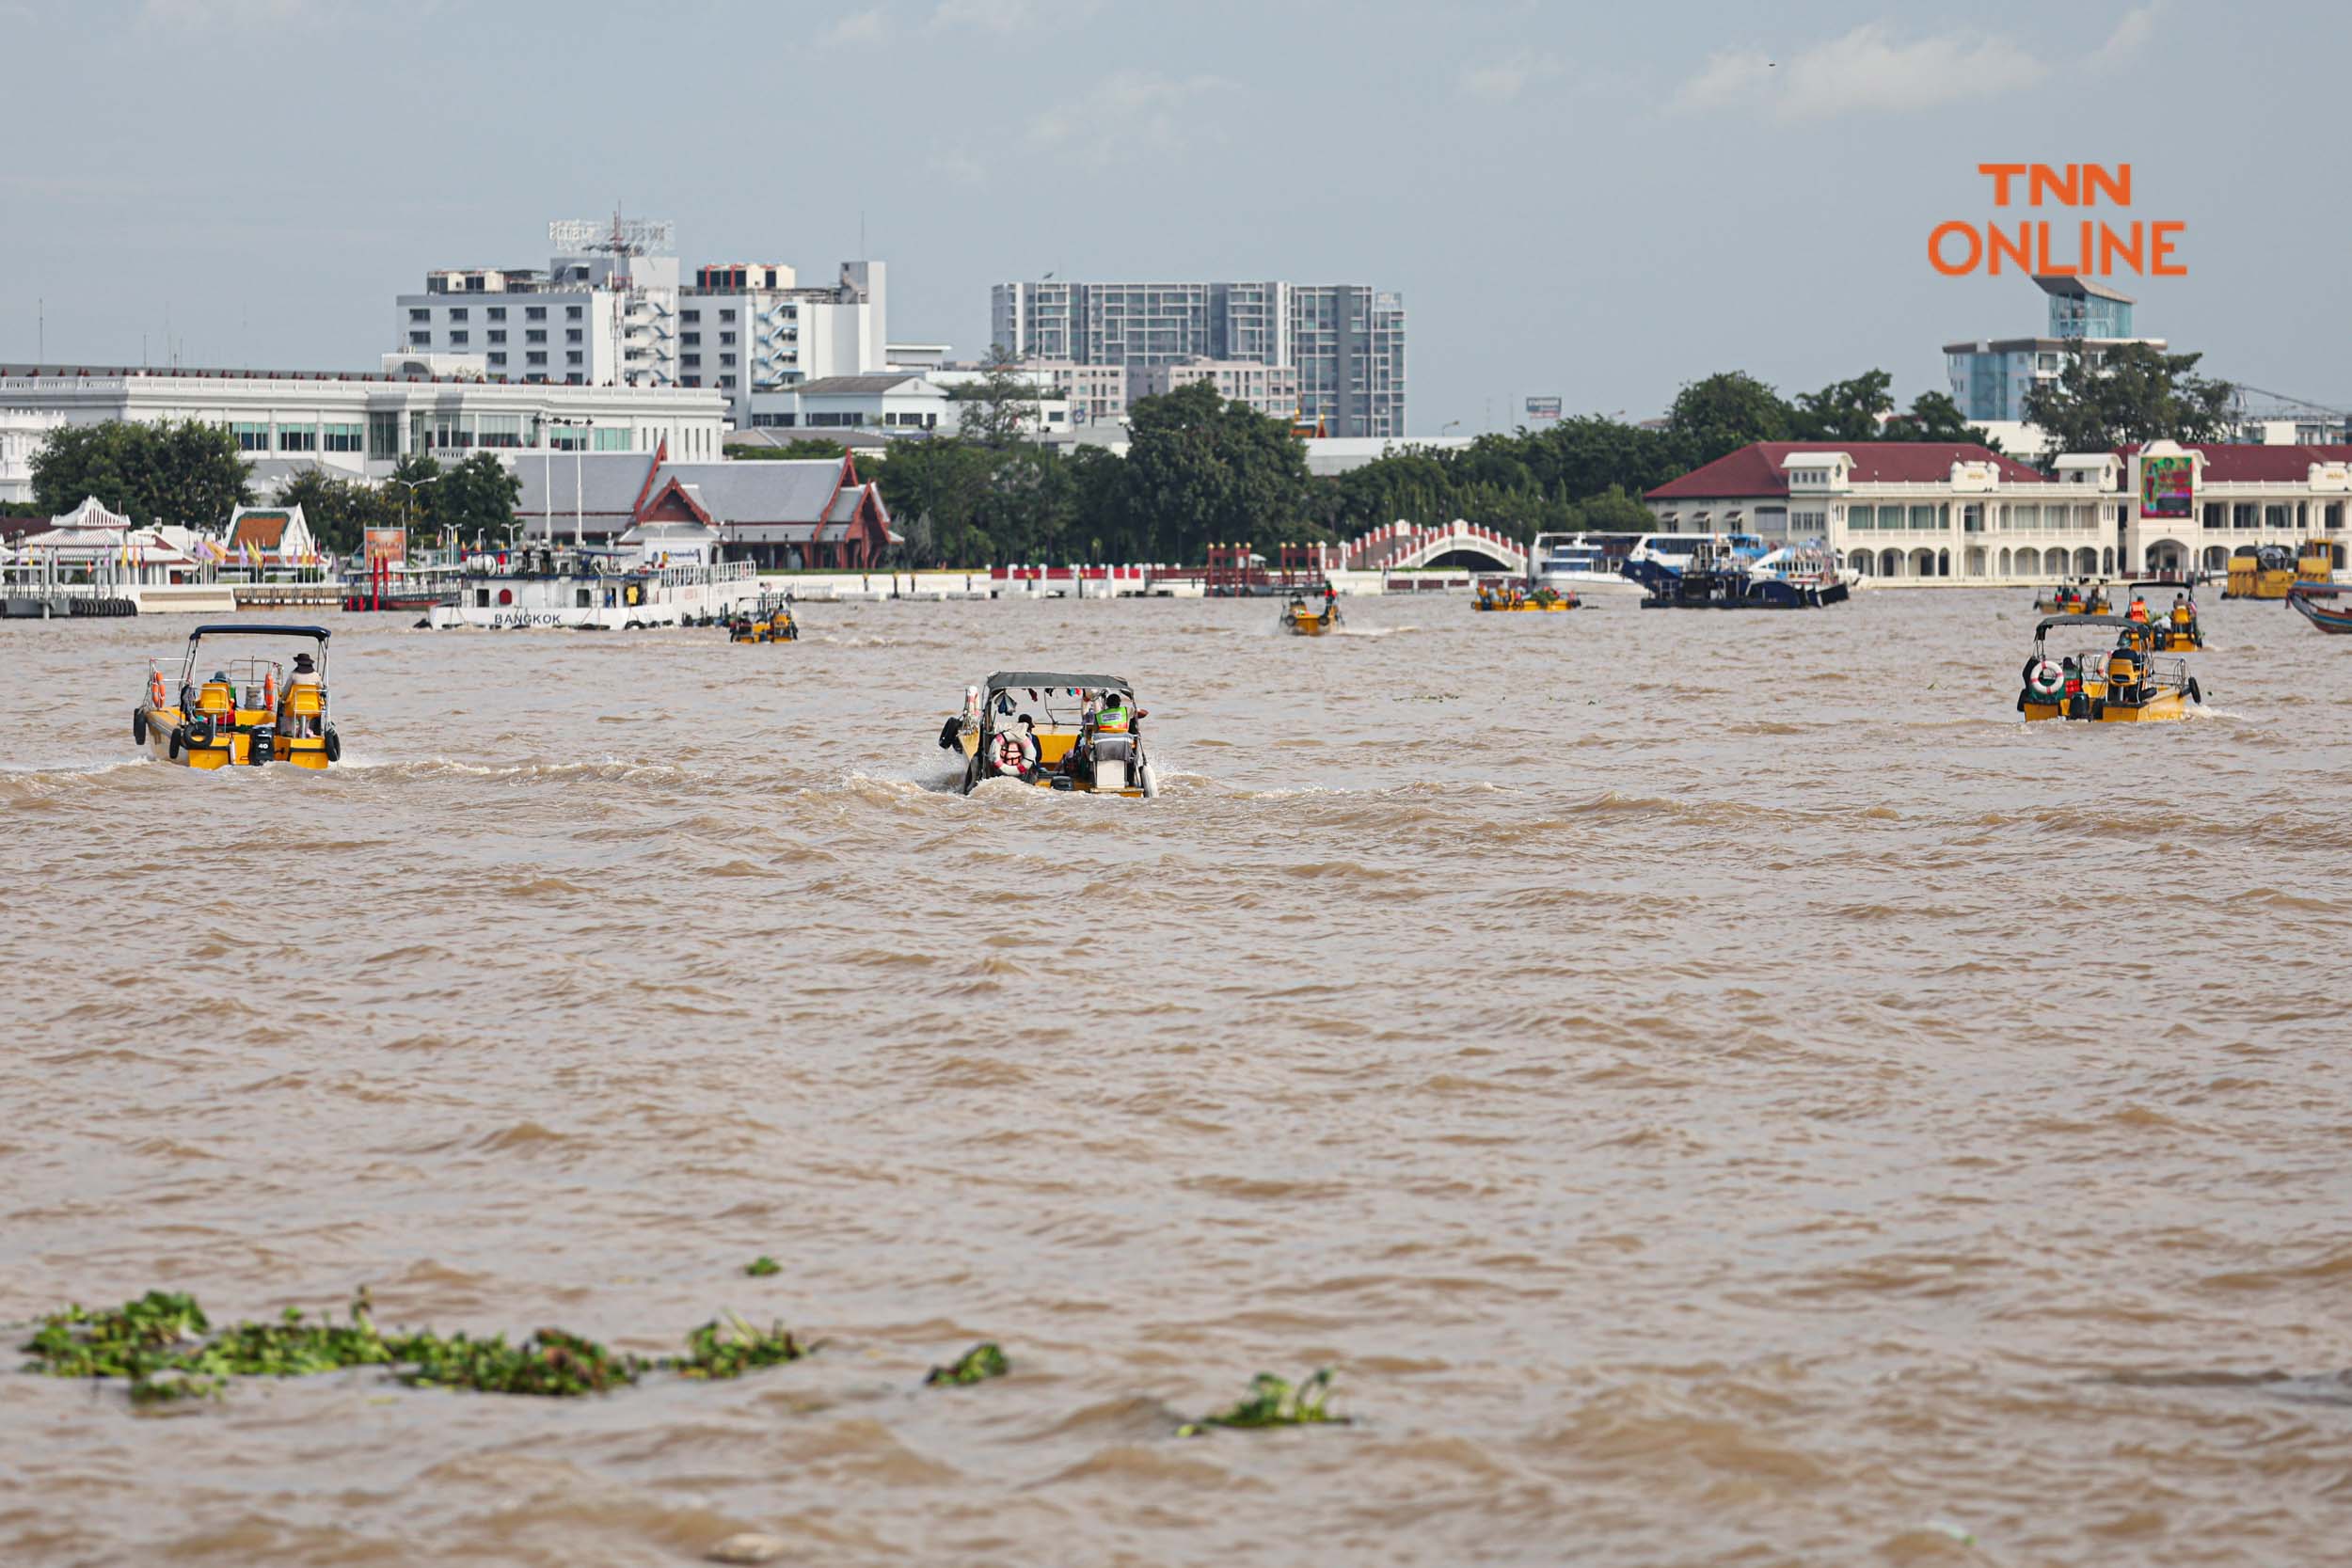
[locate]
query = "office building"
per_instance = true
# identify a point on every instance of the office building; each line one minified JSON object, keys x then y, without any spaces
{"x":1989,"y":379}
{"x":1271,"y":389}
{"x":611,"y":310}
{"x":1344,"y":341}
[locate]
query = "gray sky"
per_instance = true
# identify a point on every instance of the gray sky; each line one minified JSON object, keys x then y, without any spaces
{"x":1598,"y":202}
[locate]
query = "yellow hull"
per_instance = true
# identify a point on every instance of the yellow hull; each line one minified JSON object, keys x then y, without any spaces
{"x":1310,"y":624}
{"x":2166,"y":705}
{"x":1522,"y":608}
{"x":232,"y":749}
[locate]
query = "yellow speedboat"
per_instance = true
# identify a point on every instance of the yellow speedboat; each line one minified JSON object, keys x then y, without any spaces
{"x":1076,"y":733}
{"x":2074,"y":598}
{"x":2172,"y":628}
{"x":1303,"y":620}
{"x":2117,"y":684}
{"x":1543,"y":600}
{"x":248,"y":712}
{"x":765,"y":625}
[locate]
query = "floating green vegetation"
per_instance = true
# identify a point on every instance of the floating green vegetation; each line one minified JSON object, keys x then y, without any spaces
{"x":762,"y":1266}
{"x":550,"y":1363}
{"x":729,"y":1347}
{"x":977,"y":1364}
{"x":1274,"y":1401}
{"x":166,"y":1347}
{"x":163,"y":1343}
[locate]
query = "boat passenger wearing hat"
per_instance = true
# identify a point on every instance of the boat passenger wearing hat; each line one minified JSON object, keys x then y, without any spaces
{"x":305,"y":674}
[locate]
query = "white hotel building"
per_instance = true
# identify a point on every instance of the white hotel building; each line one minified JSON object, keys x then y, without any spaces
{"x":1917,"y":511}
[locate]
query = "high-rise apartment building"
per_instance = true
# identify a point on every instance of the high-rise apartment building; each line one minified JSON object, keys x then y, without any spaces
{"x":1345,"y":342}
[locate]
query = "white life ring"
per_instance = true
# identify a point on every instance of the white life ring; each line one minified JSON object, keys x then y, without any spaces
{"x":1013,"y":753}
{"x":2046,"y":680}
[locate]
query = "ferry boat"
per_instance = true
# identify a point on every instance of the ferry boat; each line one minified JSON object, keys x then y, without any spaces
{"x":588,"y":590}
{"x":1573,"y":564}
{"x":1071,"y":732}
{"x":1695,"y":571}
{"x":2104,"y":685}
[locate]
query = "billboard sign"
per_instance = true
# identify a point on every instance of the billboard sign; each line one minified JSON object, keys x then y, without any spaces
{"x":386,"y":544}
{"x":1542,"y":410}
{"x":2167,"y":485}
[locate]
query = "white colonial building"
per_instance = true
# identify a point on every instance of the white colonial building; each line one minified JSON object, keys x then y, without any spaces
{"x":1935,"y":511}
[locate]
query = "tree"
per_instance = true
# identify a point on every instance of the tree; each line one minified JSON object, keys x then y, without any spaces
{"x":476,"y":499}
{"x":341,"y":510}
{"x":171,"y":471}
{"x":806,"y":449}
{"x":1200,"y":469}
{"x":939,"y":487}
{"x":1844,"y":410}
{"x":1610,"y":511}
{"x":997,"y":409}
{"x":1934,"y":417}
{"x":2136,"y":393}
{"x":1724,"y":413}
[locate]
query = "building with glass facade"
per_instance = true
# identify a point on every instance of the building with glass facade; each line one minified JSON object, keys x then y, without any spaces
{"x":1989,"y":379}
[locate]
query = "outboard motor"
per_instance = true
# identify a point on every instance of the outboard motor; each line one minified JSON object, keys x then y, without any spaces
{"x":1114,"y":761}
{"x":260,"y":744}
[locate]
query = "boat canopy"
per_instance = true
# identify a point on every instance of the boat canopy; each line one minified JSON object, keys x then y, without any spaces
{"x":2317,"y":590}
{"x":1005,"y":678}
{"x":2085,"y":621}
{"x":2178,"y":584}
{"x":241,"y":628}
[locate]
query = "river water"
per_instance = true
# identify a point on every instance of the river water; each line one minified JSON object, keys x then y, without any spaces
{"x":1716,"y":1088}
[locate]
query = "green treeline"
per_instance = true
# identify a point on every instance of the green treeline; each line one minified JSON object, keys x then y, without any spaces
{"x":1198,"y":470}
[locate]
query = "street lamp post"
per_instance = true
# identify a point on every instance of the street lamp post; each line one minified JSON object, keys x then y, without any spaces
{"x":579,"y":491}
{"x":412,"y":487}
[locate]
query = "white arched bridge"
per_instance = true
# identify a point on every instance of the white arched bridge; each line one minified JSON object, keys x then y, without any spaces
{"x":1401,"y":547}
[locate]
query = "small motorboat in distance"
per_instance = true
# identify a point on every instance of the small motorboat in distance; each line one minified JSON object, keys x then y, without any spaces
{"x":768,"y":620}
{"x":1081,"y":733}
{"x":2121,"y":684}
{"x":1303,"y":620}
{"x":247,"y":711}
{"x":2080,"y":597}
{"x":2323,"y":605}
{"x":2172,"y":628}
{"x":1541,"y":599}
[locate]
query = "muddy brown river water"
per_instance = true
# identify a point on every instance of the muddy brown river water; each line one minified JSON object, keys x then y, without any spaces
{"x":1716,"y":1089}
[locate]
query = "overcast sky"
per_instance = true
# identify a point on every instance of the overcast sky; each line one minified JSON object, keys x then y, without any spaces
{"x":1597,"y":202}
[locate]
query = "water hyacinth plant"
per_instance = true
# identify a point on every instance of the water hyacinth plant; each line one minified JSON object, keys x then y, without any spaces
{"x":166,"y":1347}
{"x":762,"y":1266}
{"x":729,"y":1347}
{"x":977,"y":1364}
{"x":550,"y":1362}
{"x":1274,"y":1401}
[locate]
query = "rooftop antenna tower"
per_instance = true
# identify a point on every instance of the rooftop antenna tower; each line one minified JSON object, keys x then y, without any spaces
{"x":620,"y":238}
